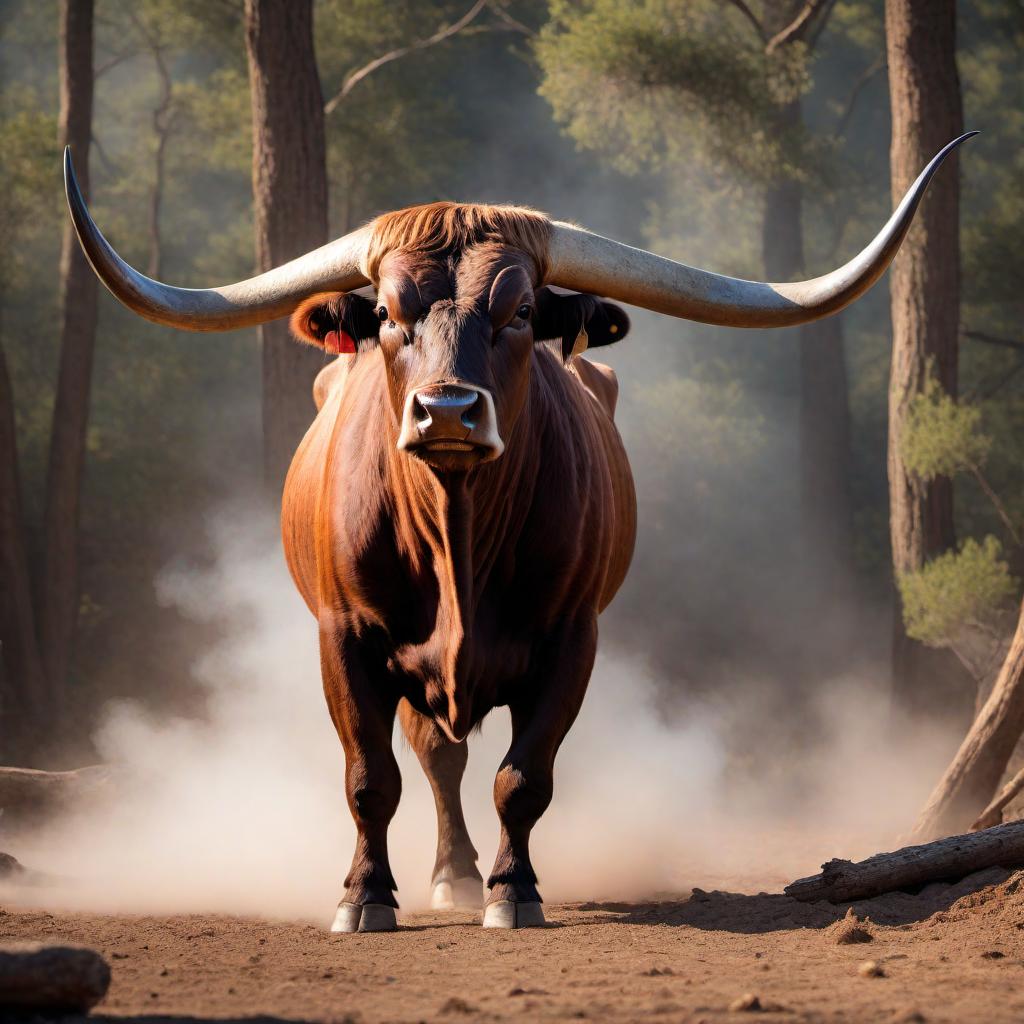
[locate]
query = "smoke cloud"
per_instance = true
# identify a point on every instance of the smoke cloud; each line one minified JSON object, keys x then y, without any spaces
{"x":242,"y":809}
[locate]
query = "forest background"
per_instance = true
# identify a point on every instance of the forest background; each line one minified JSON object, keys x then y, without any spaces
{"x":765,"y":564}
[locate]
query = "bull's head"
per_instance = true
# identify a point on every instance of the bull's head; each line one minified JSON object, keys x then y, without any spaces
{"x":461,"y":300}
{"x":456,"y":327}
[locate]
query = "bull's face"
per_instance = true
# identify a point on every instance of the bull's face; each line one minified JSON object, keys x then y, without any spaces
{"x":457,"y":343}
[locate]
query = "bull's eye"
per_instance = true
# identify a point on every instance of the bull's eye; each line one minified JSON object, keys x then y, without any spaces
{"x":382,"y":314}
{"x":524,"y":311}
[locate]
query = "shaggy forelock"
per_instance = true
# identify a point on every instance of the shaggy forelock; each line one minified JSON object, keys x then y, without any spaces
{"x":439,"y":230}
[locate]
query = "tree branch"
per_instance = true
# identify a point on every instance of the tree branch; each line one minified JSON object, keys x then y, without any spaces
{"x":798,"y":27}
{"x":111,"y":63}
{"x":996,"y":502}
{"x":747,"y":13}
{"x":996,"y":383}
{"x":819,"y":26}
{"x":878,"y":65}
{"x":992,"y":339}
{"x":352,"y":80}
{"x":993,"y":814}
{"x":512,"y":24}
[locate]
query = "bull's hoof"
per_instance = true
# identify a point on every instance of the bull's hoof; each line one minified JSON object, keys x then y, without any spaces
{"x":506,"y":914}
{"x":368,"y":917}
{"x":459,"y":894}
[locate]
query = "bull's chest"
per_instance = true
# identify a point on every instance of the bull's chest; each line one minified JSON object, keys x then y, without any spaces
{"x":443,"y":620}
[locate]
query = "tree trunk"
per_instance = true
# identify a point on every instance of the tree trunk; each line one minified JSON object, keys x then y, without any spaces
{"x":290,"y":195}
{"x":825,"y":502}
{"x":970,"y":781}
{"x":58,"y":597}
{"x":926,"y":113}
{"x":22,"y":683}
{"x":162,"y":116}
{"x":824,"y":400}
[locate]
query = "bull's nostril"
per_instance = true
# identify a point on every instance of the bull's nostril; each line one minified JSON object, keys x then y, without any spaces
{"x":471,"y":416}
{"x":419,"y":413}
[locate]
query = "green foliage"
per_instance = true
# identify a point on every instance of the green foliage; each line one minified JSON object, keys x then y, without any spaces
{"x":657,"y":82}
{"x":28,"y":149}
{"x":942,"y":437}
{"x":958,"y":589}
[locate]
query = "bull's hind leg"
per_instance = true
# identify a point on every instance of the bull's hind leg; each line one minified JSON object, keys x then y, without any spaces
{"x":543,"y":709}
{"x":456,"y":881}
{"x":364,"y":715}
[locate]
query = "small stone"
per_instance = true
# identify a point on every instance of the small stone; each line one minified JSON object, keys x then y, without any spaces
{"x":870,"y":969}
{"x":909,"y":1016}
{"x":51,"y":978}
{"x":456,"y":1005}
{"x":993,"y":954}
{"x":748,"y":1003}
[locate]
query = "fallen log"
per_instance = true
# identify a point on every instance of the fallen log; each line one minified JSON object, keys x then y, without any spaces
{"x":27,"y":794}
{"x":945,"y":860}
{"x":51,"y":979}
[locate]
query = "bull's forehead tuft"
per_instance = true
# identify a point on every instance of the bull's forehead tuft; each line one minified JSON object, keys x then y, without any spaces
{"x":445,"y":230}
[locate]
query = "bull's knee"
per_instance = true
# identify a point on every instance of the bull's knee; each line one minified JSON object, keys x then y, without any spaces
{"x":374,"y":787}
{"x":521,"y":795}
{"x":374,"y":805}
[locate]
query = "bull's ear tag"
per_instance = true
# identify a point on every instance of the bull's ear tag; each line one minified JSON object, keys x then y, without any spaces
{"x":338,"y":342}
{"x":578,"y":346}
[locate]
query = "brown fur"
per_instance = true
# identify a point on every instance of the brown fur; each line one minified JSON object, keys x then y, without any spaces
{"x":437,"y":230}
{"x":443,"y":594}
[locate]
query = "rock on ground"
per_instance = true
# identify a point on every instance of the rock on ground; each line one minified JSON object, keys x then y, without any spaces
{"x":50,"y":978}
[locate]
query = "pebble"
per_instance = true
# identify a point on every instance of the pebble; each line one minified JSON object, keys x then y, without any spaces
{"x":748,"y":1002}
{"x":870,"y":969}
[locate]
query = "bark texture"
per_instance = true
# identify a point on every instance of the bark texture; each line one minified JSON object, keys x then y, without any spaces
{"x":22,"y":683}
{"x":290,"y":194}
{"x":59,"y":593}
{"x":948,"y":860}
{"x":971,"y":779}
{"x":925,"y":286}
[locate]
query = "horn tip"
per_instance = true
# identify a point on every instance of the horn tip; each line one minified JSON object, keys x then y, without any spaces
{"x":70,"y":178}
{"x":962,"y":138}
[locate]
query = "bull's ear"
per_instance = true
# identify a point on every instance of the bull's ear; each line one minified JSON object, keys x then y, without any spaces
{"x":567,"y":317}
{"x":335,"y":321}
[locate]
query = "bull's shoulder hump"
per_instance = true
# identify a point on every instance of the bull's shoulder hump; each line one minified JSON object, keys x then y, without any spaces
{"x":599,"y":381}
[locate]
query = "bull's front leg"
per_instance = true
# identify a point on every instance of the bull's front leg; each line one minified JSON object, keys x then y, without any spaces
{"x":456,"y":882}
{"x":363,"y":711}
{"x":543,"y":708}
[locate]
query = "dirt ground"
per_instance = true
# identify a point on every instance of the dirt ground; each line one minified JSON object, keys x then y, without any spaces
{"x":949,"y":953}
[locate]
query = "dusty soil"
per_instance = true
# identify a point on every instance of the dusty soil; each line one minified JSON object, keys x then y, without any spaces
{"x":949,"y":953}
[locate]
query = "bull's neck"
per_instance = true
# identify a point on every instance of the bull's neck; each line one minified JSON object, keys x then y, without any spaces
{"x":454,"y":526}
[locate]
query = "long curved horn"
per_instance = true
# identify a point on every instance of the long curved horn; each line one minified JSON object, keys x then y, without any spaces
{"x":337,"y":266}
{"x":591,"y":263}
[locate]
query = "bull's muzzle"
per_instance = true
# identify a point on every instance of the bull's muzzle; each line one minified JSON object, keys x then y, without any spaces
{"x":450,"y":426}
